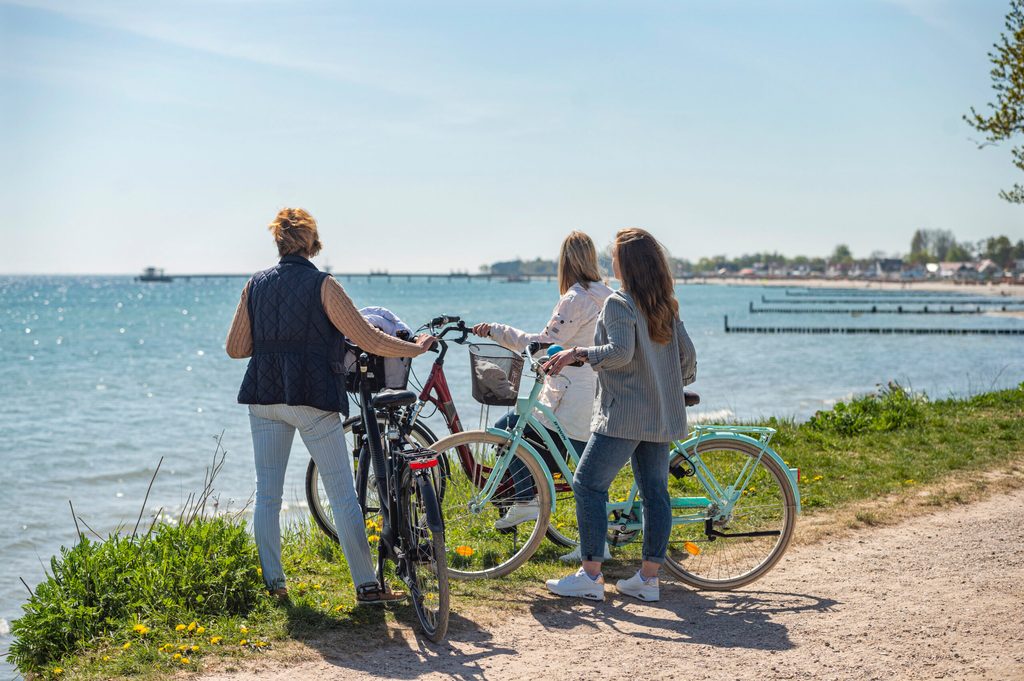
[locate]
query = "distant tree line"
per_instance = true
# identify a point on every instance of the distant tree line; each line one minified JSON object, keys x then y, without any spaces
{"x":926,"y":245}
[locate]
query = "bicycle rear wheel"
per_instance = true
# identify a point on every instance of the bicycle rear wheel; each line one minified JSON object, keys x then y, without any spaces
{"x":316,"y":495}
{"x":425,"y":561}
{"x":766,"y":505}
{"x":485,"y":542}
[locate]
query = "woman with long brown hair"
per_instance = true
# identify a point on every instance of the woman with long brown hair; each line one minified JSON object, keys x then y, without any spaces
{"x":643,"y":357}
{"x":571,"y":394}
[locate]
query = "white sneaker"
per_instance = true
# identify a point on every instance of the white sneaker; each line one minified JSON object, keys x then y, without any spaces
{"x":519,"y":513}
{"x":578,"y":585}
{"x":575,"y":556}
{"x":636,"y":587}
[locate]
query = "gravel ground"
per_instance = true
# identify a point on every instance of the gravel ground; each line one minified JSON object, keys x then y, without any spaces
{"x":940,"y":596}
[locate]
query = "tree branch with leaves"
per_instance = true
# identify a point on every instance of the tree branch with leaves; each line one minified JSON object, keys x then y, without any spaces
{"x":1006,"y":115}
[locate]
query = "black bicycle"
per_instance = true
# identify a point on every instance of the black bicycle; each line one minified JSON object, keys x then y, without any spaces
{"x":396,"y":486}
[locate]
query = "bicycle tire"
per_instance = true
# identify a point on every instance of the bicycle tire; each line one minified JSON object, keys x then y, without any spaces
{"x":451,"y":469}
{"x":421,"y":435}
{"x":775,"y":471}
{"x":415,"y":504}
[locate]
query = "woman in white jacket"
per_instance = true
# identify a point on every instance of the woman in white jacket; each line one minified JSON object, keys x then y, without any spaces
{"x":570,"y":395}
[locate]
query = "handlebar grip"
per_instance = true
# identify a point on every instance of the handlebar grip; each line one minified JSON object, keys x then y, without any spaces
{"x":536,"y":346}
{"x":445,"y":319}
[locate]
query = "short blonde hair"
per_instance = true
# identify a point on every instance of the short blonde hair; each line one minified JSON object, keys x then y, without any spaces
{"x":577,"y":262}
{"x":295,"y":232}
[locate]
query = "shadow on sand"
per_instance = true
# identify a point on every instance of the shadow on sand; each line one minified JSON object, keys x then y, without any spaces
{"x":366,"y":642}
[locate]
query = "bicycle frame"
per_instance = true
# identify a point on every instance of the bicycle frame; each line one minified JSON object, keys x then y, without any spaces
{"x":721,"y":498}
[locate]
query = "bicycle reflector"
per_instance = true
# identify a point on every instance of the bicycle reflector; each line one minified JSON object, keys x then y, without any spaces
{"x":691,"y":548}
{"x":420,"y":464}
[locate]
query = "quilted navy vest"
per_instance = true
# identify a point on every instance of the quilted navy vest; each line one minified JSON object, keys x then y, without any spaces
{"x":297,"y":352}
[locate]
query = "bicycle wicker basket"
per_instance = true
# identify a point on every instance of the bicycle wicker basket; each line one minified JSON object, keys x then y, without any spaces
{"x":495,"y":373}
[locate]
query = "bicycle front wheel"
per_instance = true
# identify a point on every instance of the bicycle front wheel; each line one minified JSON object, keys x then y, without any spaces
{"x":425,"y":562}
{"x":316,"y":495}
{"x":494,"y":538}
{"x":766,"y":508}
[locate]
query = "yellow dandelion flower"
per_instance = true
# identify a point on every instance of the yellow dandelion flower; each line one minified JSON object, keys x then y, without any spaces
{"x":140,"y":629}
{"x":194,"y":649}
{"x":127,"y":645}
{"x":243,"y":642}
{"x":106,"y":658}
{"x":192,"y":625}
{"x":324,"y":604}
{"x":259,"y":571}
{"x":816,"y":478}
{"x":318,"y":587}
{"x":244,"y":629}
{"x":261,"y":644}
{"x":373,"y":538}
{"x":464,"y":551}
{"x":339,"y":608}
{"x":183,"y":647}
{"x":215,"y":640}
{"x":302,"y":585}
{"x":180,"y":627}
{"x":911,"y":481}
{"x":185,"y":660}
{"x":200,"y":630}
{"x":177,"y":656}
{"x":57,"y":671}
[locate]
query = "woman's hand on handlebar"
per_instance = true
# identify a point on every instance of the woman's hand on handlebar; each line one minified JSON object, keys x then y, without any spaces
{"x":559,"y":361}
{"x":482,"y":330}
{"x":425,"y":341}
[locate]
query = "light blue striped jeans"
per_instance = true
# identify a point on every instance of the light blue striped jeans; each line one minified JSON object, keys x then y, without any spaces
{"x":273,"y":429}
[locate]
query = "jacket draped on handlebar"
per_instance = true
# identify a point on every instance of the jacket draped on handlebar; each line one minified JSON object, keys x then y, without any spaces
{"x":297,"y":351}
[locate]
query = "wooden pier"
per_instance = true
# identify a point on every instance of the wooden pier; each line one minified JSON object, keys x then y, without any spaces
{"x":874,"y":309}
{"x":863,"y":330}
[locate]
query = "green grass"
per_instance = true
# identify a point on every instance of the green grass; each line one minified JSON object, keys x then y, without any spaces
{"x":82,"y":619}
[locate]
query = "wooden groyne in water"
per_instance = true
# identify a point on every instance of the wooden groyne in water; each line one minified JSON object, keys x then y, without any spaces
{"x":874,"y":309}
{"x":892,"y":301}
{"x":865,"y":330}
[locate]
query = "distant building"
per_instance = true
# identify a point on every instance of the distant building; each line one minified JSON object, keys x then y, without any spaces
{"x":887,"y":268}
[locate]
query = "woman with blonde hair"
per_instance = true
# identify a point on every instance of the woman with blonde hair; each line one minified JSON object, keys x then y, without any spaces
{"x":291,"y":322}
{"x":643,"y":357}
{"x":571,"y":394}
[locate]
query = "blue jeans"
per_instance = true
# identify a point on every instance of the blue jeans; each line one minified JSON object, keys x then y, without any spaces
{"x":602,"y":459}
{"x":521,"y":478}
{"x":273,"y":429}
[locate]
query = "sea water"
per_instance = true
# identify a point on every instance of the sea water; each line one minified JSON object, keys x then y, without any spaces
{"x":102,"y":376}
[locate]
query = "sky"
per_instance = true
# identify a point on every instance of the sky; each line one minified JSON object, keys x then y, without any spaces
{"x":440,"y":136}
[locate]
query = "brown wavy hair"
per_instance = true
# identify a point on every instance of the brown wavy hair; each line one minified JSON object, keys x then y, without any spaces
{"x":577,"y":262}
{"x":295,"y":232}
{"x":646,"y":276}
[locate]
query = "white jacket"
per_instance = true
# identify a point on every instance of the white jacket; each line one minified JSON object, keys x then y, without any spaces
{"x":570,"y":394}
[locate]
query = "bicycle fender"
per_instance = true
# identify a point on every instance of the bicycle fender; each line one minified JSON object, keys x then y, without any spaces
{"x":535,"y":454}
{"x":791,"y":473}
{"x":429,"y":497}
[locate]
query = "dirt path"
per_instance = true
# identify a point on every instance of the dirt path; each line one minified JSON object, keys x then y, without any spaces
{"x":941,"y":596}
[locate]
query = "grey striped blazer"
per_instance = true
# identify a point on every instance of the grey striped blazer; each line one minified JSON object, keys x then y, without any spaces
{"x":639,"y":382}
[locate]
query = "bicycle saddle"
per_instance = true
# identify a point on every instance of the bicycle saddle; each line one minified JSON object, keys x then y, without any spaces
{"x":690,"y":399}
{"x":392,"y":399}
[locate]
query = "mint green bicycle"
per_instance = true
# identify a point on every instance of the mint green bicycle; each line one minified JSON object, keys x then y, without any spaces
{"x":734,"y":499}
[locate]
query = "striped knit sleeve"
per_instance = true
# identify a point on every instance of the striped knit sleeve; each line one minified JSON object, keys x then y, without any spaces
{"x":239,"y":342}
{"x":620,"y":326}
{"x":346,"y":318}
{"x":687,"y":354}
